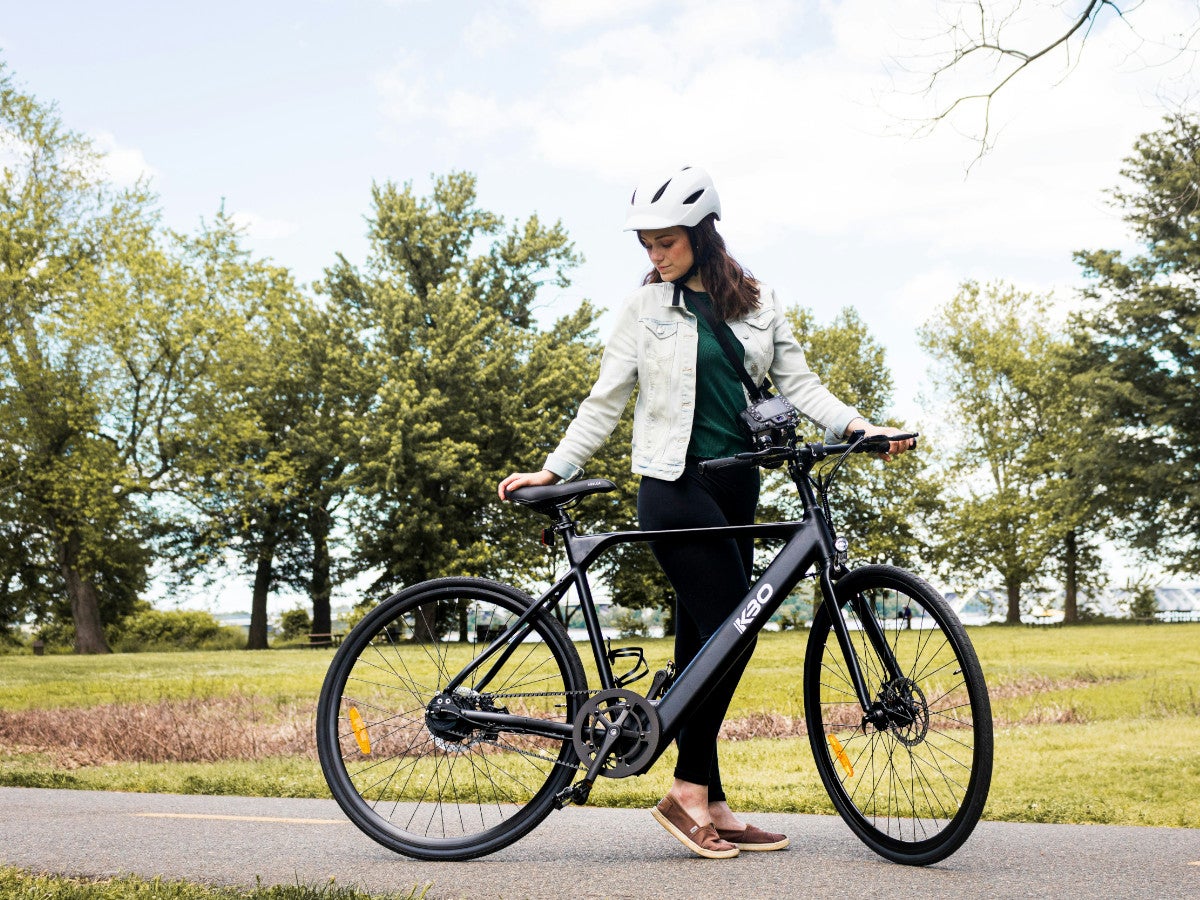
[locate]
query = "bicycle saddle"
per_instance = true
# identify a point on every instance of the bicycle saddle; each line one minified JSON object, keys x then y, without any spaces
{"x":547,"y":499}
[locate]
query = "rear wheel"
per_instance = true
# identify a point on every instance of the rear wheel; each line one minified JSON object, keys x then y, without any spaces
{"x":911,"y":775}
{"x":399,"y":758}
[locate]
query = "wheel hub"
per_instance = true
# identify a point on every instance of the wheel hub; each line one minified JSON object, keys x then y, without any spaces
{"x":904,"y":711}
{"x":449,"y":730}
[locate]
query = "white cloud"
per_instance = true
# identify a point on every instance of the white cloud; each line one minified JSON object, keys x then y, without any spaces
{"x":481,"y":116}
{"x":489,"y":31}
{"x":403,"y":91}
{"x":124,"y":165}
{"x":556,"y":15}
{"x":263,"y":228}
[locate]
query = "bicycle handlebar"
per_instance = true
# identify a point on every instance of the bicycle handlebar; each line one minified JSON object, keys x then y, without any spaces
{"x":878,"y":443}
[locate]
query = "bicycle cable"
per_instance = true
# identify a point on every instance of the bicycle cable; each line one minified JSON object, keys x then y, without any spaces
{"x":824,"y":483}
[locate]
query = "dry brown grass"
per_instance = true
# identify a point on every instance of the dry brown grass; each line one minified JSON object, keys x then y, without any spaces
{"x":763,"y":725}
{"x":242,"y":726}
{"x":192,"y":730}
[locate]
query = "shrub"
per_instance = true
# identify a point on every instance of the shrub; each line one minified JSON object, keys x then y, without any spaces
{"x":295,"y":623}
{"x":791,"y":619}
{"x":629,"y":623}
{"x":177,"y":629}
{"x":1142,"y":603}
{"x":57,"y":634}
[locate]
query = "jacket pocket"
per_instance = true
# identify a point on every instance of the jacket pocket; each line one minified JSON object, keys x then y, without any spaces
{"x":761,"y":319}
{"x":659,"y":338}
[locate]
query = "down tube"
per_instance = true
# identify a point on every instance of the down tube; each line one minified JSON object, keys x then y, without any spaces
{"x":736,"y":633}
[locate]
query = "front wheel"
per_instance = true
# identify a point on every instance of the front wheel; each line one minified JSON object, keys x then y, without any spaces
{"x":401,"y":757}
{"x":910,"y":774}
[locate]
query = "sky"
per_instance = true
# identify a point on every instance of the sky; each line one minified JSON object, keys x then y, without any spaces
{"x":807,"y":113}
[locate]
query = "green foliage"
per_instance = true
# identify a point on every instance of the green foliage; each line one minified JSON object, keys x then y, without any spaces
{"x":629,"y":623}
{"x":157,"y":630}
{"x":58,"y":634}
{"x":883,"y":510}
{"x":1137,"y":355}
{"x":1142,"y":604}
{"x":999,"y":367}
{"x":467,"y":387}
{"x":295,"y":623}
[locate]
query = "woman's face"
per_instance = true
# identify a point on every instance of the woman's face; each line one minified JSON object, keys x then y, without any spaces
{"x":669,"y":250}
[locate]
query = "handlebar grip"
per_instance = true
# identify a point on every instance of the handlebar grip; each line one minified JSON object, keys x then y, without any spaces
{"x":884,"y":439}
{"x":724,"y":462}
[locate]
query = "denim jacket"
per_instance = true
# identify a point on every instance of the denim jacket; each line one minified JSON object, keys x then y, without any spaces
{"x":653,"y":348}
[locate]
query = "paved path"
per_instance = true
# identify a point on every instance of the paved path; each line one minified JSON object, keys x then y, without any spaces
{"x":577,"y":853}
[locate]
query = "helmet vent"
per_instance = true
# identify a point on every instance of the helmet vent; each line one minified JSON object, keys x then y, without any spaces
{"x":660,"y":192}
{"x":694,"y":197}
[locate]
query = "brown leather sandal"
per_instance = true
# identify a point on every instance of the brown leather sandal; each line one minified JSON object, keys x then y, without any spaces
{"x":700,"y":839}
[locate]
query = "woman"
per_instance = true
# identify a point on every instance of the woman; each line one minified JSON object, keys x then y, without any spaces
{"x":689,"y":397}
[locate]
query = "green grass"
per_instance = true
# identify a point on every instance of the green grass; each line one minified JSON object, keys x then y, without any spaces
{"x":36,"y":682}
{"x":1096,"y":724}
{"x":16,"y":884}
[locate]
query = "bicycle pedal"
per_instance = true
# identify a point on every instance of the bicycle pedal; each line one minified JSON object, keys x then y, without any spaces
{"x":577,"y":793}
{"x":662,"y":681}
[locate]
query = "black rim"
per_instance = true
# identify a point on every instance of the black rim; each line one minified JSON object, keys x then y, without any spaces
{"x":912,"y":782}
{"x":400,"y":763}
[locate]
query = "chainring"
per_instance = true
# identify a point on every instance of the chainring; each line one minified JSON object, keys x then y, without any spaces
{"x":633,"y":716}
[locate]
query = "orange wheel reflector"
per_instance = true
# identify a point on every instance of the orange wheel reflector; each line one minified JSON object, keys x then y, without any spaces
{"x":360,"y":730}
{"x":836,"y":746}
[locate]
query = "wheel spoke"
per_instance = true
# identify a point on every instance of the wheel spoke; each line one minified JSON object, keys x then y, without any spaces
{"x":415,"y":774}
{"x":917,"y":763}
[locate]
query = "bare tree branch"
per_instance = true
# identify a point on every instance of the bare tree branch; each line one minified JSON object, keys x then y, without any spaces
{"x":983,"y":48}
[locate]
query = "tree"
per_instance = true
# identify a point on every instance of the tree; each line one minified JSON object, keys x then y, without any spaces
{"x":265,"y":471}
{"x":996,"y":357}
{"x":883,"y":510}
{"x":444,"y":308}
{"x":102,"y":338}
{"x":341,"y":390}
{"x":239,"y":464}
{"x":1139,"y":350}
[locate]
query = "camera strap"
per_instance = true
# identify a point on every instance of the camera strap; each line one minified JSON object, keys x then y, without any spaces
{"x":757,"y":392}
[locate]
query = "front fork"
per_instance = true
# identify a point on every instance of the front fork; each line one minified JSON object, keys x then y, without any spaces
{"x":873,"y":711}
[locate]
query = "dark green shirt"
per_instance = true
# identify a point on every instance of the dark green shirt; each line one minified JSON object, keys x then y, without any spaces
{"x":716,"y":429}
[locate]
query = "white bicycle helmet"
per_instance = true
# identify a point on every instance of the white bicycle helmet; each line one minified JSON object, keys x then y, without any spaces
{"x":683,"y":198}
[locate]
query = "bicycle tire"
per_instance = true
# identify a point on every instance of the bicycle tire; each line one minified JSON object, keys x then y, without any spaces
{"x":426,"y":794}
{"x":913,"y":788}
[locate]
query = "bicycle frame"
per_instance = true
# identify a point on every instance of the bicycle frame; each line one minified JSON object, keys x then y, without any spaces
{"x":810,"y":542}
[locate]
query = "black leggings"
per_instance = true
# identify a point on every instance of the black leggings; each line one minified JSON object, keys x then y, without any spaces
{"x":710,"y":578}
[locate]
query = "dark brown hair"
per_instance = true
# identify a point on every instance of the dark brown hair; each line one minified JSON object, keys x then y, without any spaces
{"x":733,"y":290}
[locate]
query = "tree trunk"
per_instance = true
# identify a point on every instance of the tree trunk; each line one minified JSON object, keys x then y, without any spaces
{"x":85,"y":604}
{"x":1014,"y":602}
{"x":322,"y":584}
{"x":425,"y":623}
{"x":258,"y":604}
{"x":464,"y":610}
{"x":1071,"y":603}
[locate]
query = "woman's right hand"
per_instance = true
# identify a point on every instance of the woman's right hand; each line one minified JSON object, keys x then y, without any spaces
{"x":526,"y":479}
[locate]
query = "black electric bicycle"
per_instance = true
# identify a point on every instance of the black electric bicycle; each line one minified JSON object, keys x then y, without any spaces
{"x":457,"y":715}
